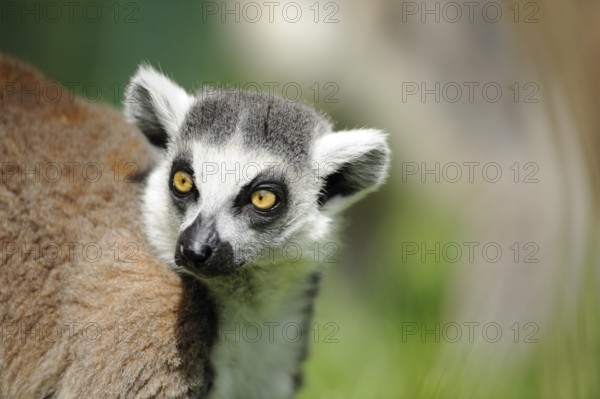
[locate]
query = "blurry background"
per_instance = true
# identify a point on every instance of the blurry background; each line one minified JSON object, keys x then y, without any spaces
{"x":474,"y":272}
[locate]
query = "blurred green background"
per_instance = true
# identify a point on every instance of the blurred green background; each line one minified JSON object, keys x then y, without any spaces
{"x":376,"y":291}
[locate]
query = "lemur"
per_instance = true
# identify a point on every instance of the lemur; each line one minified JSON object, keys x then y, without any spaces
{"x":208,"y":258}
{"x":239,"y":175}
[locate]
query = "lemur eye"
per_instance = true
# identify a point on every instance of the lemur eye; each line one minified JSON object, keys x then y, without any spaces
{"x":263,"y":200}
{"x":182,"y":182}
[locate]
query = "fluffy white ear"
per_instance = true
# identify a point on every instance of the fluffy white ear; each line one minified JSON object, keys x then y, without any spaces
{"x":351,"y":164}
{"x":156,"y":105}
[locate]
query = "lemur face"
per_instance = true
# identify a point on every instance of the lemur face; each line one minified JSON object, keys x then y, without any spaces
{"x":244,"y":178}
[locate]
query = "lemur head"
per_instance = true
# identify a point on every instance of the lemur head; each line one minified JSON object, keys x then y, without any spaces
{"x":239,"y":172}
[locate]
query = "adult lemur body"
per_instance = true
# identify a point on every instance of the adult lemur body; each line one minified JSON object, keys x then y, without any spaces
{"x":237,"y":179}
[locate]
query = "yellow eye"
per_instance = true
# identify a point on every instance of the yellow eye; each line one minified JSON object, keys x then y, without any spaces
{"x":263,"y":200}
{"x":182,"y":182}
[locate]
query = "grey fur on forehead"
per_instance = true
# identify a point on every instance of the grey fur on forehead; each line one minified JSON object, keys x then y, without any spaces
{"x":265,"y":121}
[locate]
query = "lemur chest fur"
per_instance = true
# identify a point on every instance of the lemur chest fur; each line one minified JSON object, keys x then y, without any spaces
{"x":262,"y":338}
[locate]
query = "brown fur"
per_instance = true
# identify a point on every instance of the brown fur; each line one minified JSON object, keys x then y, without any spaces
{"x":139,"y":324}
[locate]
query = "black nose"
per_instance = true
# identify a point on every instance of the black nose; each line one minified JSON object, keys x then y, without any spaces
{"x":201,"y":251}
{"x":196,"y":254}
{"x":198,"y":245}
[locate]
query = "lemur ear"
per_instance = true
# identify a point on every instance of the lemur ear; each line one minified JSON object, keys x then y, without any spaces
{"x":351,"y":164}
{"x":156,"y":105}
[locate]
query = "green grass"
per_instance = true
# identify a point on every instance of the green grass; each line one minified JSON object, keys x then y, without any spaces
{"x":371,"y":360}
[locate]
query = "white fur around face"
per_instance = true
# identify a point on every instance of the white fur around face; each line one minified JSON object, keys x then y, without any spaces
{"x":219,"y":174}
{"x":161,"y":220}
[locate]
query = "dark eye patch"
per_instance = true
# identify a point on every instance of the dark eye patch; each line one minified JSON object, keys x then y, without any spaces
{"x":265,"y":181}
{"x":182,"y":163}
